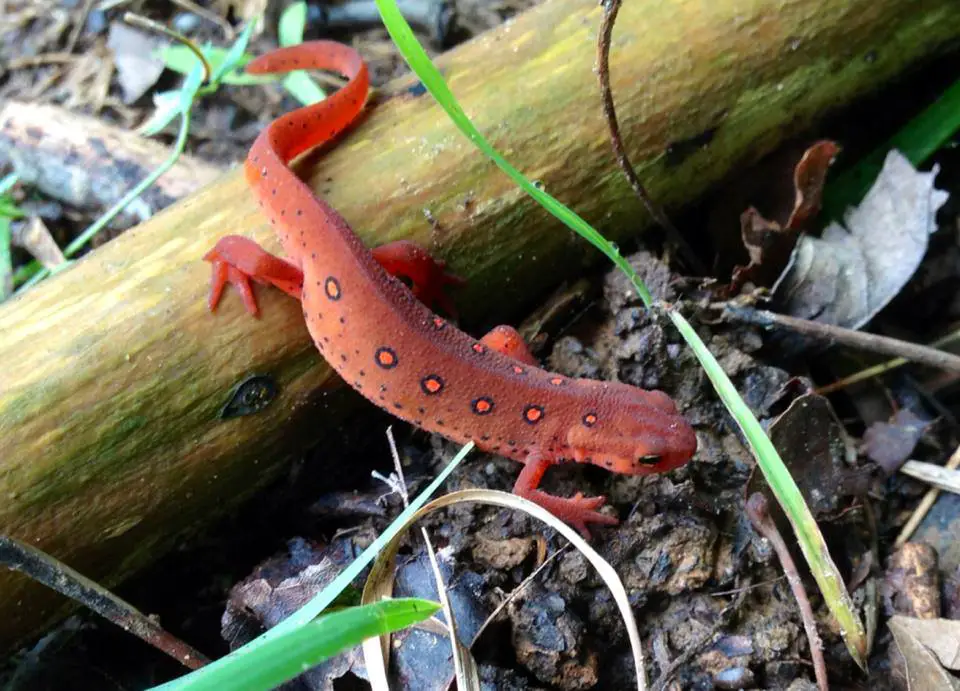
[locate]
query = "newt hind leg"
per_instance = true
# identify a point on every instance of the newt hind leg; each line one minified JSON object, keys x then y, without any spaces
{"x":237,"y":259}
{"x":578,"y":511}
{"x":428,"y":277}
{"x":506,"y":340}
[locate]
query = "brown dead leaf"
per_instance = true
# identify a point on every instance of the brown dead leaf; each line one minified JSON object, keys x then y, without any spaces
{"x":769,"y":243}
{"x":808,"y":179}
{"x":929,"y":647}
{"x":849,"y":274}
{"x":811,"y":443}
{"x":889,"y":444}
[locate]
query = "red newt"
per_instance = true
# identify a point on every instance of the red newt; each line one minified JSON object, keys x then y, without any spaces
{"x":384,"y":341}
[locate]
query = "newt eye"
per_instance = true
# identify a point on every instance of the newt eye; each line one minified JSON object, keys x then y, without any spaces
{"x":651,"y":459}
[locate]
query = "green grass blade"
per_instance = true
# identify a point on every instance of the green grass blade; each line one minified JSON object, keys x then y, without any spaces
{"x":768,"y":459}
{"x":917,"y":140}
{"x":420,"y":62}
{"x":787,"y":494}
{"x":6,"y":258}
{"x":181,"y":59}
{"x":7,"y":183}
{"x":233,"y":58}
{"x":288,"y":655}
{"x":292,"y":23}
{"x":290,"y":31}
{"x":325,"y":597}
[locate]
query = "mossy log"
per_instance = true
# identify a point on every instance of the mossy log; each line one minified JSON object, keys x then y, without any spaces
{"x":114,"y":372}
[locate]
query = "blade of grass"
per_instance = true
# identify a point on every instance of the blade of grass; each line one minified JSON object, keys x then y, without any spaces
{"x":6,"y":259}
{"x":420,"y":63}
{"x":917,"y":140}
{"x":289,"y":655}
{"x":325,"y":597}
{"x":290,"y":33}
{"x":782,"y":484}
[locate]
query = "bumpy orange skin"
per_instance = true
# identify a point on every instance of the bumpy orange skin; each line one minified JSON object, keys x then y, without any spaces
{"x":391,"y":348}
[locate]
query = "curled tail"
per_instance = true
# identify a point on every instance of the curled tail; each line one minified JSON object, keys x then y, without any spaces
{"x":303,"y":129}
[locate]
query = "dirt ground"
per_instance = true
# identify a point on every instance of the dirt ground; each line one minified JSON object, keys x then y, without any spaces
{"x":714,"y":607}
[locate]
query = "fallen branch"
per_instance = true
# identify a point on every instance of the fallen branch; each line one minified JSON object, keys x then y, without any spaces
{"x":861,"y":340}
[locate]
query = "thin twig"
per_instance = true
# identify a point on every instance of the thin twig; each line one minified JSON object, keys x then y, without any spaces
{"x":149,"y":24}
{"x":60,"y":58}
{"x":722,"y":620}
{"x":204,"y":13}
{"x":451,"y":624}
{"x":610,"y":10}
{"x":882,"y":368}
{"x":925,"y":505}
{"x":855,"y":339}
{"x":759,"y":514}
{"x":58,"y":576}
{"x":79,"y":25}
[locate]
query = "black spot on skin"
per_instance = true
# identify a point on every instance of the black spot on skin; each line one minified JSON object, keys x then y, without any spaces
{"x":343,"y":358}
{"x":362,"y":373}
{"x":398,"y":405}
{"x":482,"y":406}
{"x":532,"y":414}
{"x":386,"y":358}
{"x":421,"y":410}
{"x":432,"y":384}
{"x":484,"y":437}
{"x":343,"y":320}
{"x":439,"y":422}
{"x":331,"y":286}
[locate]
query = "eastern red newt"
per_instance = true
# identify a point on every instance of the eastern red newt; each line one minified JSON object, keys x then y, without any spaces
{"x":382,"y":339}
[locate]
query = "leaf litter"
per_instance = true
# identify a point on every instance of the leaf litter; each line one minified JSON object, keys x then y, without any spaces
{"x":854,"y":270}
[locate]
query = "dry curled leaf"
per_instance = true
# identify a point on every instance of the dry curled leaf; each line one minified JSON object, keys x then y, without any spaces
{"x":848,"y":274}
{"x":138,"y":68}
{"x":929,"y":647}
{"x":889,"y":444}
{"x":769,"y":243}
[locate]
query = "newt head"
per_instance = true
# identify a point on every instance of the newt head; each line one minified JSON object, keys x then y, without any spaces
{"x":631,"y":431}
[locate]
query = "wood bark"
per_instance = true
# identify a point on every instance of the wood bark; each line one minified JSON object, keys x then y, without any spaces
{"x":114,"y":373}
